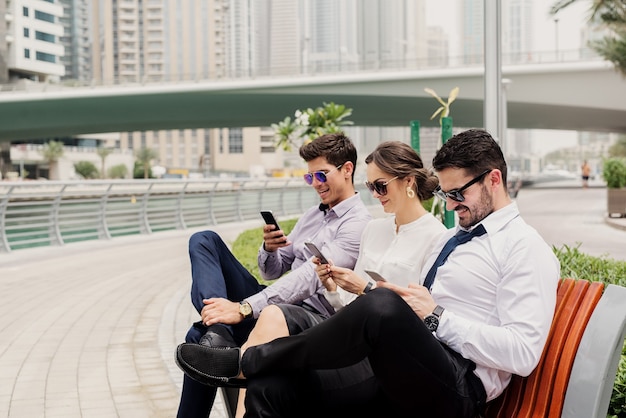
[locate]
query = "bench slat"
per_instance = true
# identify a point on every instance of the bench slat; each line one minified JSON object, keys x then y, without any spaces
{"x":535,"y":395}
{"x":567,"y":356}
{"x":599,"y":353}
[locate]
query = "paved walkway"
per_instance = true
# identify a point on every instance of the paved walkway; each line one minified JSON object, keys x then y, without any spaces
{"x":89,"y":329}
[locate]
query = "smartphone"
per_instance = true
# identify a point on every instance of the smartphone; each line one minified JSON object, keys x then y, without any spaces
{"x":316,"y":252}
{"x":375,"y":276}
{"x":269,"y":219}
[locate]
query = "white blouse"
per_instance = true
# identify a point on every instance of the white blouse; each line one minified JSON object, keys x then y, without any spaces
{"x":396,"y":256}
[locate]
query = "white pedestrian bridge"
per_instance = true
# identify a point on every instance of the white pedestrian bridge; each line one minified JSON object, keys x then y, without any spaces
{"x":582,"y":95}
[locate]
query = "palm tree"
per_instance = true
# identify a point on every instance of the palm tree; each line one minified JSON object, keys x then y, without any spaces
{"x":144,"y":157}
{"x":610,"y":14}
{"x":444,"y":110}
{"x":103,"y":153}
{"x":311,"y":123}
{"x":51,"y":153}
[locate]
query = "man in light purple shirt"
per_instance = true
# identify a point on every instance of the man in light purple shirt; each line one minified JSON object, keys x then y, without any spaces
{"x":229,"y":299}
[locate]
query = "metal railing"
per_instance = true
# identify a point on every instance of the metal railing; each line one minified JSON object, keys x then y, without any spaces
{"x":315,"y":68}
{"x":44,"y":213}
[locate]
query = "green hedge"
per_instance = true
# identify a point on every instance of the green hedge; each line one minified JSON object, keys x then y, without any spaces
{"x":574,"y":264}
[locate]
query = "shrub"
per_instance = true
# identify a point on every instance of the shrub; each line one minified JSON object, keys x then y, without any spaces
{"x":614,"y":172}
{"x":86,"y":169}
{"x":119,"y":171}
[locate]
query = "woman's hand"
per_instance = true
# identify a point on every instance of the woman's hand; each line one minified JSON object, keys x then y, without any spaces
{"x":323,"y":272}
{"x":347,"y":279}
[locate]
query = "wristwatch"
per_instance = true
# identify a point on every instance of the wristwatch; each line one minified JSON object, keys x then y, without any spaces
{"x":432,"y":320}
{"x":245,"y":309}
{"x":368,"y":288}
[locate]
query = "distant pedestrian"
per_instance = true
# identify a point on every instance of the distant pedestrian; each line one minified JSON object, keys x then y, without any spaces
{"x":586,"y":171}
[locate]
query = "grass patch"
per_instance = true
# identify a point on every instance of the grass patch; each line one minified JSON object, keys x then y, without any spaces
{"x":246,"y":247}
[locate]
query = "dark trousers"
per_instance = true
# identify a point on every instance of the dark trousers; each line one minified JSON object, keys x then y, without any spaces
{"x":215,"y":273}
{"x":415,"y":374}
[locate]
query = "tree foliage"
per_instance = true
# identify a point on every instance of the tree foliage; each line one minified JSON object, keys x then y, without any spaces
{"x":611,"y":16}
{"x":144,"y":158}
{"x":614,"y":172}
{"x":86,"y":169}
{"x":140,"y":171}
{"x":103,"y":153}
{"x":119,"y":171}
{"x":309,"y":124}
{"x":52,"y":151}
{"x":618,"y":149}
{"x":444,"y":110}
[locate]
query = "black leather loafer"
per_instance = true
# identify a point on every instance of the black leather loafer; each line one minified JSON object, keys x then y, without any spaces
{"x":217,"y":336}
{"x":213,"y":366}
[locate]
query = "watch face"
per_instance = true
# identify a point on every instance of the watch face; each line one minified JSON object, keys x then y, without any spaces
{"x":431,"y":322}
{"x":245,"y":309}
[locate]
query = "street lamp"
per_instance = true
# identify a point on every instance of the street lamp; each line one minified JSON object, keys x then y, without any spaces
{"x":504,"y":109}
{"x":556,"y":38}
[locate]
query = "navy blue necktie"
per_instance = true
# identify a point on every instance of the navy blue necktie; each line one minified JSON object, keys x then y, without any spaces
{"x":459,"y":238}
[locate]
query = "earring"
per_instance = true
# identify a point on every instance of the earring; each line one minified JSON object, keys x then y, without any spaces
{"x":410,"y":193}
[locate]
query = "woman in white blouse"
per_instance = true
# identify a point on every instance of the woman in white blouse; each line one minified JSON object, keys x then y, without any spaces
{"x":395,"y":246}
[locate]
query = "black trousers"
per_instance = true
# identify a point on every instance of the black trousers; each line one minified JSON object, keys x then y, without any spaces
{"x":411,"y":374}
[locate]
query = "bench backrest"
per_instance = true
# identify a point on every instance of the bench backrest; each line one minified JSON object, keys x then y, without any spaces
{"x":543,"y":392}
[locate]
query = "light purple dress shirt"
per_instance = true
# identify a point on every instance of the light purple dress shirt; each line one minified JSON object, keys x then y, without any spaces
{"x":336,"y":232}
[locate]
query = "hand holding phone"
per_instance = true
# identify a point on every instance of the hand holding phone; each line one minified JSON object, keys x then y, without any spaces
{"x":269,"y":219}
{"x":375,"y":276}
{"x":316,"y":252}
{"x":273,"y":242}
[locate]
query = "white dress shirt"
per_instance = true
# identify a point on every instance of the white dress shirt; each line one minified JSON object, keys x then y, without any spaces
{"x":499,"y":295}
{"x":396,"y":256}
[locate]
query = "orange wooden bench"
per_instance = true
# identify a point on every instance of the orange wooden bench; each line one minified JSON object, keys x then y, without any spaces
{"x":576,"y":372}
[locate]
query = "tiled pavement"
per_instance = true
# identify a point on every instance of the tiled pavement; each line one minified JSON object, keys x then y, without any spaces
{"x":89,"y":329}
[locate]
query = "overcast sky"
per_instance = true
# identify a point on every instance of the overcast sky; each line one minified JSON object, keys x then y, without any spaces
{"x":445,"y":13}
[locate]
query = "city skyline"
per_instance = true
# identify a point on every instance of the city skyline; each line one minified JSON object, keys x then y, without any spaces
{"x":134,"y":41}
{"x":571,"y":21}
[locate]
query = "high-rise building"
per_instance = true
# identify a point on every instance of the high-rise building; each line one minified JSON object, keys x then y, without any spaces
{"x":164,"y":41}
{"x":76,"y":39}
{"x":472,"y":28}
{"x":517,"y":34}
{"x":33,"y":49}
{"x":516,"y":30}
{"x":144,"y":41}
{"x":4,"y":69}
{"x":438,"y":51}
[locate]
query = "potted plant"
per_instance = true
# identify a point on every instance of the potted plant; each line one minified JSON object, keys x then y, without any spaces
{"x":614,"y":173}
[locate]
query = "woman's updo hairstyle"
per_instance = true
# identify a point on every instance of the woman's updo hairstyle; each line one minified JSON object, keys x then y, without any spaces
{"x":399,"y":159}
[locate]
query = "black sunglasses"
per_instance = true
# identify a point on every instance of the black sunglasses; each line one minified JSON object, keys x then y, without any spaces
{"x":378,"y":186}
{"x":319,"y":175}
{"x":457,"y":194}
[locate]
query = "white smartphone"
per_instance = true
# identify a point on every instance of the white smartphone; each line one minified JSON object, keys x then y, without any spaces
{"x":375,"y":276}
{"x":316,"y":252}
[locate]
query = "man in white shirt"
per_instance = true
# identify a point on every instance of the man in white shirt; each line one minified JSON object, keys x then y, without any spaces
{"x":438,"y":348}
